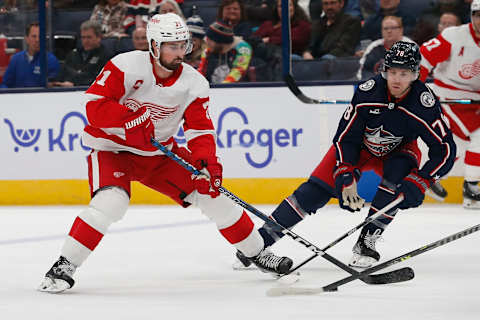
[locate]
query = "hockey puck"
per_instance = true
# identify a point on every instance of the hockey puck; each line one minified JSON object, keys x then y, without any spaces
{"x":331,"y":289}
{"x":289,"y":278}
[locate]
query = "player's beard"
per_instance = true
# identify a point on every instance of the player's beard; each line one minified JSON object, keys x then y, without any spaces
{"x":173,"y":65}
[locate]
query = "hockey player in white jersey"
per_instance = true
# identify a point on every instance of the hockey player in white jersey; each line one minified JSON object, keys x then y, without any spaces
{"x":453,"y":58}
{"x":138,"y":96}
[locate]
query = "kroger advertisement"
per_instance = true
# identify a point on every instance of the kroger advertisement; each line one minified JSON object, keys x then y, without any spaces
{"x":262,"y":132}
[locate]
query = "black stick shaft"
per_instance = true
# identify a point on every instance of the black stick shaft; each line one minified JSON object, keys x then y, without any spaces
{"x":259,"y":214}
{"x":404,"y":257}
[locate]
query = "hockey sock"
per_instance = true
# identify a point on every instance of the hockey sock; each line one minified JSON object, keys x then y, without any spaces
{"x":306,"y":200}
{"x":386,"y":193}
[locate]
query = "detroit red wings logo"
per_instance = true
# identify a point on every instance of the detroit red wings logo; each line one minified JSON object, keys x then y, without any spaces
{"x":469,"y":71}
{"x":157,"y":112}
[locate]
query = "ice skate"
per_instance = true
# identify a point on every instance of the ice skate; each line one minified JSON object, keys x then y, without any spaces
{"x":437,"y":192}
{"x":266,"y":261}
{"x":364,"y":253}
{"x":241,"y":262}
{"x":471,"y":195}
{"x":59,"y":277}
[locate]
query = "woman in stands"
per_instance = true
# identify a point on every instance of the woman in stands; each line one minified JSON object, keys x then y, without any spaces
{"x":110,"y":14}
{"x":271,"y":31}
{"x":233,"y":12}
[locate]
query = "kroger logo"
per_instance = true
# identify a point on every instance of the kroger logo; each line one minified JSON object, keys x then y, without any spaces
{"x":267,"y":139}
{"x":25,"y":138}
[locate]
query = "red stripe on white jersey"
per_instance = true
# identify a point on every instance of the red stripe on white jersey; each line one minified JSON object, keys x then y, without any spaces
{"x":472,"y":158}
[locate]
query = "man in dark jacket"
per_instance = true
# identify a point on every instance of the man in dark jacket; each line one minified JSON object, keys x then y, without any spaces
{"x":372,"y":28}
{"x":336,"y":34}
{"x":82,"y":65}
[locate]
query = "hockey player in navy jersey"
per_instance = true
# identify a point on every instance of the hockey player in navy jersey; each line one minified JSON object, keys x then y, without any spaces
{"x":378,"y":131}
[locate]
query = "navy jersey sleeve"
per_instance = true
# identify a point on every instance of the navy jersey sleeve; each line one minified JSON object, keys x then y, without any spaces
{"x":433,"y":128}
{"x":349,"y":137}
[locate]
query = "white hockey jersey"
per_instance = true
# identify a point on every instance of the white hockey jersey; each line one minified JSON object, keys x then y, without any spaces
{"x":454,"y":56}
{"x":128,"y":82}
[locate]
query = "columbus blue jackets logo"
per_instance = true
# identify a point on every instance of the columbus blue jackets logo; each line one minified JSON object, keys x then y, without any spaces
{"x":427,"y":99}
{"x":379,"y":141}
{"x":367,"y":85}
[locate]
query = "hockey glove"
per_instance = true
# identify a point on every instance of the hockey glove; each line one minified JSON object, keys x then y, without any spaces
{"x":346,"y":177}
{"x":212,"y":178}
{"x":413,"y":188}
{"x":139,"y":129}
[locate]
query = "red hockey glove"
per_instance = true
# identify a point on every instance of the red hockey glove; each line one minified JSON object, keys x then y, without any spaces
{"x":346,"y":177}
{"x":209,"y":184}
{"x":413,"y":188}
{"x":139,"y":129}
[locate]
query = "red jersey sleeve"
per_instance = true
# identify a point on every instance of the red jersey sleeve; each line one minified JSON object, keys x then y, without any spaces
{"x":103,"y":109}
{"x":199,"y":129}
{"x":433,"y":52}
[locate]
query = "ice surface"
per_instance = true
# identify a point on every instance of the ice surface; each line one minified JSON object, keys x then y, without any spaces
{"x":165,"y":262}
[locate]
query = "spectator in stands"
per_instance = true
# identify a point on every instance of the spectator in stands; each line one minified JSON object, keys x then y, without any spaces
{"x":368,"y":7}
{"x":428,"y":23}
{"x":24,"y":67}
{"x":372,"y":28}
{"x":110,"y":14}
{"x":336,"y":34}
{"x":84,"y":64}
{"x":259,"y":11}
{"x":195,"y":25}
{"x":138,"y":12}
{"x":233,"y":13}
{"x":270,"y":32}
{"x":448,"y":19}
{"x":8,"y":6}
{"x":351,"y":7}
{"x":227,"y":57}
{"x":372,"y":59}
{"x":74,"y":4}
{"x":167,"y":6}
{"x":139,"y":39}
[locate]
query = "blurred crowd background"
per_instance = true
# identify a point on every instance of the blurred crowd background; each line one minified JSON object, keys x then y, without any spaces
{"x":234,"y":40}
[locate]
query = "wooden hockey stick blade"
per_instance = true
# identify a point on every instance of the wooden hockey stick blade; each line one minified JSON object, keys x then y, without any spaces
{"x":395,"y":276}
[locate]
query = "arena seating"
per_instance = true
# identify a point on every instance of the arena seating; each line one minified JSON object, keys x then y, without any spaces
{"x":338,"y":69}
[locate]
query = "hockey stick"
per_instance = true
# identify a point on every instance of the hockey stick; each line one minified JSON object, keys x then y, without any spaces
{"x":351,"y":231}
{"x":278,"y":227}
{"x":280,"y":291}
{"x":292,"y":85}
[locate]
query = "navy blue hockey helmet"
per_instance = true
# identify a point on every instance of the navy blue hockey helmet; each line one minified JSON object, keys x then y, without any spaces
{"x":404,"y":55}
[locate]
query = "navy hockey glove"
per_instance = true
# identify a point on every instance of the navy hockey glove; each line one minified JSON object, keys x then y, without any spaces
{"x":346,"y":177}
{"x":413,"y":188}
{"x":210,"y":183}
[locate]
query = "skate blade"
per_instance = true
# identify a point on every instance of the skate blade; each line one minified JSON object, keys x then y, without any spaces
{"x":50,"y":285}
{"x":361,"y":262}
{"x":239,"y":266}
{"x":471,"y":204}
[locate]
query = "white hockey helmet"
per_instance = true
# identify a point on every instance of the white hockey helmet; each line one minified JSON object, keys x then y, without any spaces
{"x":475,"y":6}
{"x":166,"y":28}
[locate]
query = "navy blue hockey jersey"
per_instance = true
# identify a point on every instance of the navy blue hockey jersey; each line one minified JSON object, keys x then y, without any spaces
{"x":381,"y":124}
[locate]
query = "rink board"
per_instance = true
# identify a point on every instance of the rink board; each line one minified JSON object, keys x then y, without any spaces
{"x":268,"y":142}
